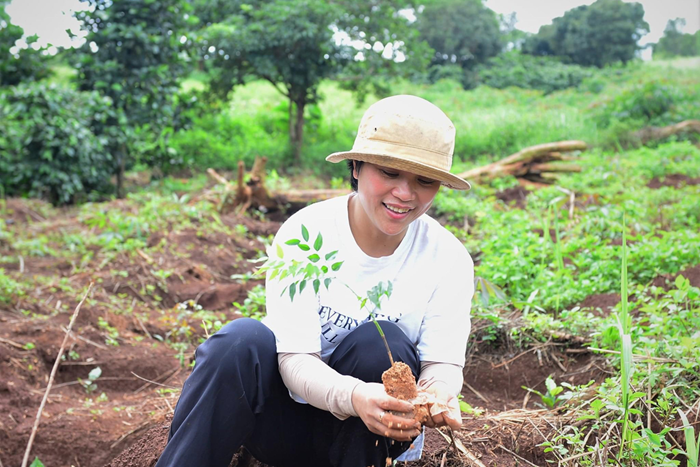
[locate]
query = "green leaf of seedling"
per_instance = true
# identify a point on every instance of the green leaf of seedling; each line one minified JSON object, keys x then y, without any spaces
{"x":327,"y":282}
{"x":305,"y":233}
{"x":284,"y":290}
{"x":324,"y":269}
{"x":318,"y":243}
{"x":280,"y":252}
{"x":274,"y":274}
{"x":302,"y":285}
{"x":317,"y":285}
{"x":314,"y":258}
{"x":304,"y":247}
{"x":331,"y":255}
{"x":36,"y":463}
{"x":292,"y":290}
{"x":95,"y":373}
{"x":336,"y":266}
{"x":293,"y":241}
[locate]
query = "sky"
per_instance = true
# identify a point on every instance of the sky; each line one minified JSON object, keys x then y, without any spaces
{"x":50,"y":18}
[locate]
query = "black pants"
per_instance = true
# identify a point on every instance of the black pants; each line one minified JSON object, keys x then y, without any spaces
{"x":235,"y":396}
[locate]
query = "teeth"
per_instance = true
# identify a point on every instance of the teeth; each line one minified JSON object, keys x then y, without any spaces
{"x":397,"y":210}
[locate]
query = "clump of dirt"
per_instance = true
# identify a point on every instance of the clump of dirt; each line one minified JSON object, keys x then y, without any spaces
{"x":399,"y":382}
{"x":673,"y":180}
{"x":146,"y":451}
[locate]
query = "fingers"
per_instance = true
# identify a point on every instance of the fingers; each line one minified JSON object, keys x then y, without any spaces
{"x":396,"y":426}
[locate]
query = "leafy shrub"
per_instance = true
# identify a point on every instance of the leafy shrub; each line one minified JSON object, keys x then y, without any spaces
{"x":47,"y":145}
{"x":645,"y":103}
{"x":530,"y":72}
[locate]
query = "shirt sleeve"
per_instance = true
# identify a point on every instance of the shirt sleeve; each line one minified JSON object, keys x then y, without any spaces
{"x":446,"y":324}
{"x":318,"y":384}
{"x":451,"y":375}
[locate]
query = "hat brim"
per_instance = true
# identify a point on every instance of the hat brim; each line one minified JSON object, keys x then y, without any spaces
{"x":446,"y":178}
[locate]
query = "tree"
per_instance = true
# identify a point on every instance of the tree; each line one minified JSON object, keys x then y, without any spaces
{"x":675,"y":43}
{"x":19,"y":65}
{"x":461,"y":32}
{"x":295,"y":44}
{"x":134,"y":54}
{"x":605,"y":32}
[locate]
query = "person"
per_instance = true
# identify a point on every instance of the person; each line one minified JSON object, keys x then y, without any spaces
{"x":303,"y":388}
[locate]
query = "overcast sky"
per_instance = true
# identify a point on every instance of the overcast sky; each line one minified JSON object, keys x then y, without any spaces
{"x":50,"y":18}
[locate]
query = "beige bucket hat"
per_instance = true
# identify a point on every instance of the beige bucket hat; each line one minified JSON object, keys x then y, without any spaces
{"x":406,"y":133}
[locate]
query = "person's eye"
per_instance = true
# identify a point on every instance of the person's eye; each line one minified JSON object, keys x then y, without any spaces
{"x":426,"y":182}
{"x":390,"y":174}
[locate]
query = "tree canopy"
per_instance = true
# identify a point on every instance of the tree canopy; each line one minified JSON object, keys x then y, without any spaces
{"x":134,"y":55}
{"x":461,"y":32}
{"x":675,"y":43}
{"x":605,"y":32}
{"x":23,"y":65}
{"x":295,"y":44}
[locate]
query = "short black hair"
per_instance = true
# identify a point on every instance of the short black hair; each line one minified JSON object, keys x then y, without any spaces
{"x":353,"y":180}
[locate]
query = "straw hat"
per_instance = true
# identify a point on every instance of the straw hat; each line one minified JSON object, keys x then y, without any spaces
{"x":406,"y":133}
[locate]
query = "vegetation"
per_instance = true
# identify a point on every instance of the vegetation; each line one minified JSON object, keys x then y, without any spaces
{"x":17,"y":66}
{"x":133,"y":55}
{"x":675,"y":43}
{"x":603,"y":33}
{"x":627,"y":226}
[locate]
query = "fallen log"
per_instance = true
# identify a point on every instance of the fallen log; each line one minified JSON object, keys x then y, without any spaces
{"x":538,"y":163}
{"x":654,"y":133}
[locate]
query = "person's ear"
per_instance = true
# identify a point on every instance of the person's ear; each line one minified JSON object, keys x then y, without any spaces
{"x":355,"y":170}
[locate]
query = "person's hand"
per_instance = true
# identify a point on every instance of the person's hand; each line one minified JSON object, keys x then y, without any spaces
{"x":453,"y":416}
{"x":373,"y":405}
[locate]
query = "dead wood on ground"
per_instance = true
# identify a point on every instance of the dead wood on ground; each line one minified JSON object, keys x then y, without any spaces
{"x":538,"y":164}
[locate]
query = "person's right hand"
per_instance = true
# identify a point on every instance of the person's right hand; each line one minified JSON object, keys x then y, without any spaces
{"x":373,"y":404}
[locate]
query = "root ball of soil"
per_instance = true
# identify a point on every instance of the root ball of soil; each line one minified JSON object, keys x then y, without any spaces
{"x":399,"y":382}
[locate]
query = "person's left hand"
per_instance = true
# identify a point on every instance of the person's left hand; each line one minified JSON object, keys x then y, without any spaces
{"x":451,"y":418}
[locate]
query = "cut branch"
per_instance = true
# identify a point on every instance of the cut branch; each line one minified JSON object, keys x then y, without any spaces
{"x":653,"y":133}
{"x":535,"y":163}
{"x":51,"y":378}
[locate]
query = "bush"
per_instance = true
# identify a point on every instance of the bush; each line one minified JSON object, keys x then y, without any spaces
{"x":530,"y":72}
{"x":47,"y":145}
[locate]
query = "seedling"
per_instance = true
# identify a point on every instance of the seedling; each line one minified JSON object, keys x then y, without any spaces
{"x":90,"y":384}
{"x":318,"y":268}
{"x":551,"y":398}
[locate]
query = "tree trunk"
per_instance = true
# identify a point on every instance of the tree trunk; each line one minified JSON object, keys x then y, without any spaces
{"x":296,"y":130}
{"x":121,"y":163}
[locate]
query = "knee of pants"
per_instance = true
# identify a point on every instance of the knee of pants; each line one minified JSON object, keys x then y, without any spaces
{"x":363,"y":354}
{"x":242,"y":343}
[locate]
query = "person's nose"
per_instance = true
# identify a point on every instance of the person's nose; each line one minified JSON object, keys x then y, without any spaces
{"x":403,"y":190}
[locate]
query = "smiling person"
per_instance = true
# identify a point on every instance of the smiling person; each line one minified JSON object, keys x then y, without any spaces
{"x":303,"y":388}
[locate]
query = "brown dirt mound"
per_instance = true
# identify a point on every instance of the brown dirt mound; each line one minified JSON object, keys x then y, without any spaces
{"x":601,"y":304}
{"x":496,"y":382}
{"x":666,"y":281}
{"x":514,"y":196}
{"x":673,"y":180}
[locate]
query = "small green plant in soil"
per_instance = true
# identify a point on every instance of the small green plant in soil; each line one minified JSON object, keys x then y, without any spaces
{"x":90,"y":384}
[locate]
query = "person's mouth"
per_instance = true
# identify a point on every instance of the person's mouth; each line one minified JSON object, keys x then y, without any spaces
{"x":397,"y":209}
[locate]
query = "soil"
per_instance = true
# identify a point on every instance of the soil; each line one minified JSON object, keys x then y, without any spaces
{"x":667,"y":281}
{"x":673,"y":180}
{"x":399,"y":382}
{"x":122,"y":420}
{"x":601,"y":304}
{"x":514,"y":196}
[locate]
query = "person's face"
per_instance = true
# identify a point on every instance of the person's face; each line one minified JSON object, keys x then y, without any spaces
{"x":392,"y":199}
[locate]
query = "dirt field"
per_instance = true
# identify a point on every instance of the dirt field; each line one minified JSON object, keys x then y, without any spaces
{"x":132,"y":311}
